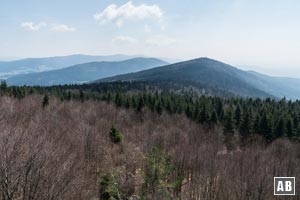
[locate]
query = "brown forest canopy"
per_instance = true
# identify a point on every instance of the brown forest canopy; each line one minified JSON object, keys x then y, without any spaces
{"x":64,"y":151}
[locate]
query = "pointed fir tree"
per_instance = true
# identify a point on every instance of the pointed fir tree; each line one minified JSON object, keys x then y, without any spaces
{"x":3,"y":87}
{"x":115,"y":135}
{"x":229,"y":130}
{"x":290,"y":131}
{"x":196,"y":112}
{"x":81,"y":96}
{"x":45,"y":101}
{"x":127,"y":103}
{"x":158,"y":107}
{"x":69,"y":96}
{"x":238,"y":116}
{"x":203,"y":115}
{"x":189,"y":111}
{"x":296,"y":122}
{"x":228,"y":122}
{"x":220,"y":109}
{"x":256,"y":125}
{"x":118,"y":100}
{"x":265,"y":128}
{"x":280,"y":128}
{"x":141,"y":104}
{"x":134,"y":102}
{"x":246,"y":126}
{"x":169,"y":107}
{"x":213,"y":118}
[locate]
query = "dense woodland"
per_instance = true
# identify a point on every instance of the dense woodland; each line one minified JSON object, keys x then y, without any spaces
{"x":143,"y":141}
{"x":270,"y":118}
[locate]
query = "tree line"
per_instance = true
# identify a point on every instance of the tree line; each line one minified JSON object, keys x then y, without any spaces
{"x":270,"y":118}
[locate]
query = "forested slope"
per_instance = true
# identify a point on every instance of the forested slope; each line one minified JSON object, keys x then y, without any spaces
{"x":66,"y":150}
{"x":136,"y":140}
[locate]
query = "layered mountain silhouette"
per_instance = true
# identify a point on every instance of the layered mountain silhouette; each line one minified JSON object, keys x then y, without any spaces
{"x":276,"y":86}
{"x":200,"y":73}
{"x":30,"y":65}
{"x":86,"y":72}
{"x":209,"y":73}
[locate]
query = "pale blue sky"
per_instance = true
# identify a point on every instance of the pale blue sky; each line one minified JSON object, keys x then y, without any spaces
{"x":264,"y":33}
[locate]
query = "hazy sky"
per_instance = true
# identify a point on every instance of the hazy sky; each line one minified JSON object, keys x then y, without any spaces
{"x":264,"y":33}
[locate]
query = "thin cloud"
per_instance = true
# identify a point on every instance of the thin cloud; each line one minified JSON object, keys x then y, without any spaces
{"x":31,"y":26}
{"x":127,"y":12}
{"x":62,"y":28}
{"x":124,"y":40}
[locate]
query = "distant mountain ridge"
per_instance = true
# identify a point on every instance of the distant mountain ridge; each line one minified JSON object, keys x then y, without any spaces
{"x":30,"y":65}
{"x":86,"y":72}
{"x":202,"y":73}
{"x":276,"y":86}
{"x":214,"y":74}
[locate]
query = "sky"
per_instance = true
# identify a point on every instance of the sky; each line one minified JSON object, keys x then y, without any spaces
{"x":261,"y":35}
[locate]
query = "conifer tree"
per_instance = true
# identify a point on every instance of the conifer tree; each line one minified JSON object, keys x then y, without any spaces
{"x":158,"y":107}
{"x":246,"y":126}
{"x":119,"y":99}
{"x":296,"y":122}
{"x":214,"y":117}
{"x":203,"y":115}
{"x":169,"y":107}
{"x":31,"y":91}
{"x":265,"y":128}
{"x":3,"y":87}
{"x":81,"y":96}
{"x":15,"y":92}
{"x":290,"y":131}
{"x":141,"y":104}
{"x":134,"y":101}
{"x":189,"y":111}
{"x":127,"y":103}
{"x":69,"y":96}
{"x":157,"y":170}
{"x":229,"y":123}
{"x":115,"y":135}
{"x":229,"y":129}
{"x":238,"y":115}
{"x":219,"y":109}
{"x":280,"y":128}
{"x":108,"y":97}
{"x":109,"y":188}
{"x":196,"y":112}
{"x":45,"y":101}
{"x":256,"y":125}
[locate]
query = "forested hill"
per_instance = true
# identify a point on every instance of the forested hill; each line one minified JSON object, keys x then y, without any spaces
{"x":207,"y":72}
{"x":210,"y":73}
